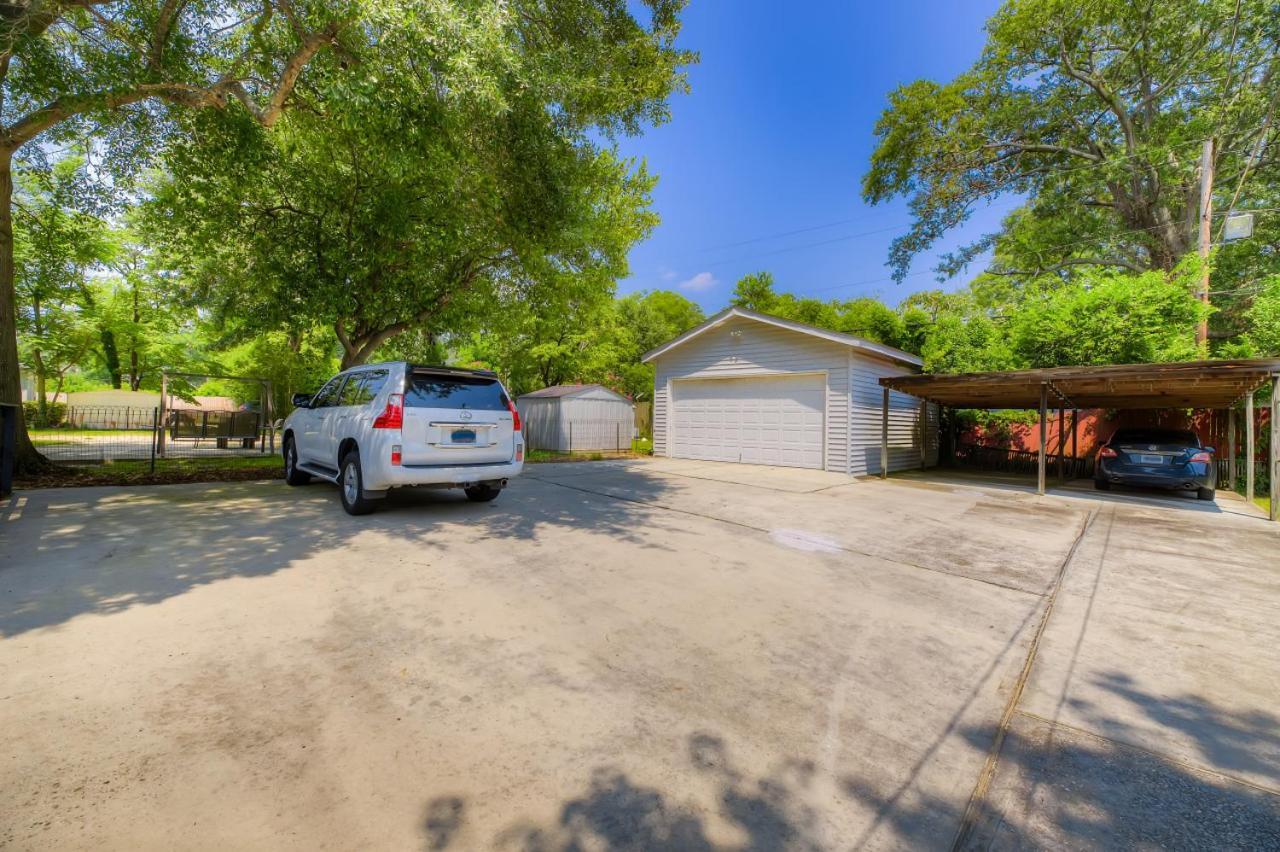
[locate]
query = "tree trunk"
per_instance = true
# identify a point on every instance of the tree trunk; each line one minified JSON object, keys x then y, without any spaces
{"x":111,"y":354}
{"x":135,"y":381}
{"x":26,"y":457}
{"x":42,"y":388}
{"x":42,"y":382}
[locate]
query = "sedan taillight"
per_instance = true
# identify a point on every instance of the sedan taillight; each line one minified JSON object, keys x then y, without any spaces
{"x":1107,"y":453}
{"x":392,"y":417}
{"x":1202,"y":458}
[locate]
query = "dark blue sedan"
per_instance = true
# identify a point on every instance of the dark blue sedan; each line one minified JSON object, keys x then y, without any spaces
{"x":1157,"y":458}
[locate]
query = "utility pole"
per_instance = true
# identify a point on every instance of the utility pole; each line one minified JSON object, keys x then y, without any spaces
{"x":1206,"y":236}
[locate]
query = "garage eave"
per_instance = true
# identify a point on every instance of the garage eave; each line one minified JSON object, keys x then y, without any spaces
{"x":878,"y":350}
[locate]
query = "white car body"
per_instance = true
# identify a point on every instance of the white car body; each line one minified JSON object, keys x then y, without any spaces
{"x":409,"y":425}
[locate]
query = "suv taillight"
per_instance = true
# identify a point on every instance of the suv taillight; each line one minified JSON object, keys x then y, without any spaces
{"x":515,"y":415}
{"x":1107,"y":453}
{"x":392,"y":417}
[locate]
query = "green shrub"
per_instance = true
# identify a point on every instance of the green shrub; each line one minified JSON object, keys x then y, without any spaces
{"x":55,"y":414}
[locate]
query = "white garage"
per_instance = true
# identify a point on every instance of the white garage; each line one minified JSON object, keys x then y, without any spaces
{"x":747,"y":387}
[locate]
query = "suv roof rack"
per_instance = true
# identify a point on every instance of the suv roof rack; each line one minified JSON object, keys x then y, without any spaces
{"x":456,"y":371}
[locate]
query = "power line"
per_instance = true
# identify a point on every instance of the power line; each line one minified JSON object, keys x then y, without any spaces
{"x":890,"y":278}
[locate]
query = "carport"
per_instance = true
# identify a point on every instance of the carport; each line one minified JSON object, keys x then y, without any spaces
{"x":1204,"y":385}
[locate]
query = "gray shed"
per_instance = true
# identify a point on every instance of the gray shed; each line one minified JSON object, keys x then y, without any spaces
{"x":570,"y":418}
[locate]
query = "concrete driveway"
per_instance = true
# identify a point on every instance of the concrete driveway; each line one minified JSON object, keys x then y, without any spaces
{"x":637,"y":655}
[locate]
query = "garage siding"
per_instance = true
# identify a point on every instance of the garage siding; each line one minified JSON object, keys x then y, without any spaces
{"x":904,"y":421}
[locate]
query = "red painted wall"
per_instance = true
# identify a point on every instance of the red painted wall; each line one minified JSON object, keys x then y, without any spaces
{"x":1096,"y":426}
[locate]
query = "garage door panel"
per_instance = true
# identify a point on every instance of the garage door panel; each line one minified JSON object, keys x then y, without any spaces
{"x":761,"y":420}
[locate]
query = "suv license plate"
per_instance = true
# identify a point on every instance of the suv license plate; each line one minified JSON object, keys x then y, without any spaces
{"x":463,"y":436}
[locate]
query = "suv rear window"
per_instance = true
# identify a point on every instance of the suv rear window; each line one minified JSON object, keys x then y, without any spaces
{"x":428,"y":390}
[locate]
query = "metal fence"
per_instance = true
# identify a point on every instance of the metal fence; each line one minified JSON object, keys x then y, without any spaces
{"x":574,"y":436}
{"x":1003,"y":460}
{"x":122,"y":435}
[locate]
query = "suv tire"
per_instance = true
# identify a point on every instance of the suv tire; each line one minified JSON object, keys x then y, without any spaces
{"x":351,"y":486}
{"x":292,"y":475}
{"x":482,"y":493}
{"x":1205,"y":493}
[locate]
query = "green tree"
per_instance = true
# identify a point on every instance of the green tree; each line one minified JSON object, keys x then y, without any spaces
{"x":1264,"y":320}
{"x":435,"y":185}
{"x":1095,"y":113}
{"x":56,"y":245}
{"x":1109,"y":318}
{"x":646,"y":321}
{"x":118,"y":68}
{"x":755,"y":293}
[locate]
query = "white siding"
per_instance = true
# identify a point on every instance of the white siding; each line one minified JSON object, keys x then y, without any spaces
{"x":758,"y":349}
{"x":761,"y":349}
{"x":591,"y":421}
{"x":599,"y":420}
{"x":540,"y":422}
{"x":904,"y":421}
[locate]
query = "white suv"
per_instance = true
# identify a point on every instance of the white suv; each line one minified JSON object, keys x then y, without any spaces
{"x":382,"y":426}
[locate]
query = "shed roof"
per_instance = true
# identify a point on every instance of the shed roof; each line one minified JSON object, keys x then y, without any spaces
{"x":877,"y":349}
{"x":562,"y":391}
{"x":1187,"y":384}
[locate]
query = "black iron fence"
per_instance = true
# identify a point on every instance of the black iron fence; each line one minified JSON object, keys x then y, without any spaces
{"x":145,"y":437}
{"x":1004,"y":460}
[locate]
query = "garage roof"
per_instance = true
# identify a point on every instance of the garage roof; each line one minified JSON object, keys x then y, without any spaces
{"x":562,"y":391}
{"x":1189,"y":384}
{"x":877,"y":349}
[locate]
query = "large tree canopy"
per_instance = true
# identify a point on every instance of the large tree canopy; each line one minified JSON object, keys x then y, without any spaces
{"x":426,"y":188}
{"x":130,"y":72}
{"x":116,"y":68}
{"x":1095,"y":113}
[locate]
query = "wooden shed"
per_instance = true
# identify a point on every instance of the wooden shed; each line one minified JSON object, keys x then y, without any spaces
{"x":573,"y":418}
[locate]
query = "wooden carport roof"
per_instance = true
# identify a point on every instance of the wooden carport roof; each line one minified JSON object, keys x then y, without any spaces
{"x":1190,"y":384}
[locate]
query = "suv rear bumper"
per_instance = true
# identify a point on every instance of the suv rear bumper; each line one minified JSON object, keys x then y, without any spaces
{"x":397,"y":476}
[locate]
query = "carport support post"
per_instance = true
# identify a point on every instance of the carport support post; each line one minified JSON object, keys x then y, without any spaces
{"x":1231,"y":448}
{"x":924,"y":433}
{"x":884,"y":437}
{"x":1248,"y":447}
{"x":1062,"y":445}
{"x":1274,"y":470}
{"x":1075,"y":427}
{"x":1044,"y":437}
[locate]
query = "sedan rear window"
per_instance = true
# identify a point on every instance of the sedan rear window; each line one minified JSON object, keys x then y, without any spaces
{"x":427,"y":390}
{"x":1156,"y":436}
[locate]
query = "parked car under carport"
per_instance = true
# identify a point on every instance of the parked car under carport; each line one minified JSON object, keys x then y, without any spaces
{"x":1157,"y":458}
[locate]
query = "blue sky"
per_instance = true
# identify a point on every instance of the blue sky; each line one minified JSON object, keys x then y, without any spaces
{"x":775,"y":137}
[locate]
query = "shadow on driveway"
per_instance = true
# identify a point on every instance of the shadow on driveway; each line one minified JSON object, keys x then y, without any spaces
{"x":76,"y":551}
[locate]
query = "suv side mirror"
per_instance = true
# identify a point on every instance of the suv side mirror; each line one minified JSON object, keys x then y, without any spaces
{"x":302,"y":400}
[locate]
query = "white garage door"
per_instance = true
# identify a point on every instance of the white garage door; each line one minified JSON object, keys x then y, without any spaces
{"x":774,"y":420}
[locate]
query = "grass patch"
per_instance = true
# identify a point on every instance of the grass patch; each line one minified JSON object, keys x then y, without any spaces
{"x":262,"y":466}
